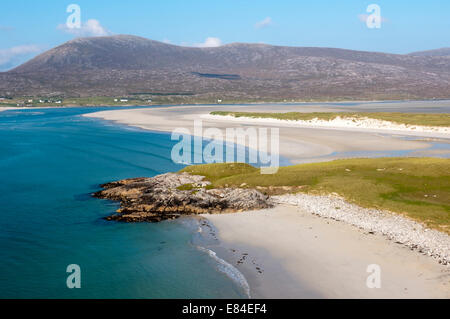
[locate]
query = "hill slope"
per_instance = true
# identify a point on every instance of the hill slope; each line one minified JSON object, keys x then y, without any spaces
{"x":122,"y":65}
{"x":437,"y":52}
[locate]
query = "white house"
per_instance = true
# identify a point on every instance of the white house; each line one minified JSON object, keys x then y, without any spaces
{"x":123,"y":100}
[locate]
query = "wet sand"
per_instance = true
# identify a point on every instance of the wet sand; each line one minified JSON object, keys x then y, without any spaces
{"x":296,"y":143}
{"x":7,"y":108}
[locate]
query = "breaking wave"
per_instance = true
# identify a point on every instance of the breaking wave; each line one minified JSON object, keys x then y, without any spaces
{"x":232,"y":272}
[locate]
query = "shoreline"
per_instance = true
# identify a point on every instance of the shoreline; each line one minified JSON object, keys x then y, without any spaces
{"x":300,"y":255}
{"x":18,"y":108}
{"x":331,"y":241}
{"x":248,"y":103}
{"x":4,"y":108}
{"x":298,"y":144}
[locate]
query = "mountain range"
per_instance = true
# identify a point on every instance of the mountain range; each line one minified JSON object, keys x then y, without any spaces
{"x":124,"y":65}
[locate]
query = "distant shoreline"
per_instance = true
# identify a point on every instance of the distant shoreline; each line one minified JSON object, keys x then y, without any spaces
{"x":2,"y":109}
{"x":298,"y":144}
{"x":225,"y":103}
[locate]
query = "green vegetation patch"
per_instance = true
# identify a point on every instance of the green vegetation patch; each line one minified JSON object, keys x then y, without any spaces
{"x":416,"y":187}
{"x":186,"y":187}
{"x":423,"y":119}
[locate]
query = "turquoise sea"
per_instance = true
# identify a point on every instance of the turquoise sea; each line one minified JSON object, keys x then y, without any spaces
{"x":50,"y":162}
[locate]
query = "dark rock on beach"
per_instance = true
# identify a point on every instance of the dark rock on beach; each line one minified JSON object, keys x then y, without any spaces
{"x":172,"y":195}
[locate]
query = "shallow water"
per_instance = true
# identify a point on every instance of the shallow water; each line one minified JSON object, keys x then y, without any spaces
{"x":50,"y":162}
{"x":436,"y":148}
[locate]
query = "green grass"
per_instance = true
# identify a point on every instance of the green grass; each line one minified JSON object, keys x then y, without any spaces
{"x":186,"y":187}
{"x":400,"y":118}
{"x":415,"y":187}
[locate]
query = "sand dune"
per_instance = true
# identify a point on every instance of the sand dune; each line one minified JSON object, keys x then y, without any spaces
{"x":341,"y":123}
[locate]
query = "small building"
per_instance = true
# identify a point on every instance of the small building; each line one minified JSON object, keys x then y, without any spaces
{"x":30,"y":101}
{"x":58,"y":102}
{"x":123,"y":100}
{"x":116,"y":100}
{"x":219,"y":101}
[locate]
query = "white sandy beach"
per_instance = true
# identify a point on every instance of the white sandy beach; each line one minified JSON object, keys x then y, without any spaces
{"x":298,"y":144}
{"x":16,"y":108}
{"x":292,"y":253}
{"x":6,"y":108}
{"x":304,"y":256}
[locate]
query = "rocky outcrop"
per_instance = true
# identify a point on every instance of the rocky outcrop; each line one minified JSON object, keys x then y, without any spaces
{"x":172,"y":195}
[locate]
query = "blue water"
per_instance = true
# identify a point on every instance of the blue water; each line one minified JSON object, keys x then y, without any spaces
{"x":50,"y":161}
{"x":440,"y":145}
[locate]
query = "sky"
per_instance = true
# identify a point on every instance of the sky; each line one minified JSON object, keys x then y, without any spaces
{"x":28,"y":28}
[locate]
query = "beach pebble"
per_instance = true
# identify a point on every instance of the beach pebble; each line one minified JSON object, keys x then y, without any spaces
{"x":400,"y":229}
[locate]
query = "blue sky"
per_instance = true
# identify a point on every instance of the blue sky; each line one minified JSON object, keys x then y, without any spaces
{"x":30,"y":27}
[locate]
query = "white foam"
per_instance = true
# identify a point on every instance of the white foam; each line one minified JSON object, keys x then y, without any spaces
{"x":232,"y":272}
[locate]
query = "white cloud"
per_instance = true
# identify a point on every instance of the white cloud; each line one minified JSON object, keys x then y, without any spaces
{"x":264,"y":23}
{"x":9,"y":55}
{"x":210,"y":43}
{"x":91,"y":28}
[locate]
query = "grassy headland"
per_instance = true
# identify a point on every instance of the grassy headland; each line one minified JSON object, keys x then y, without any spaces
{"x":415,"y":187}
{"x":423,"y":119}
